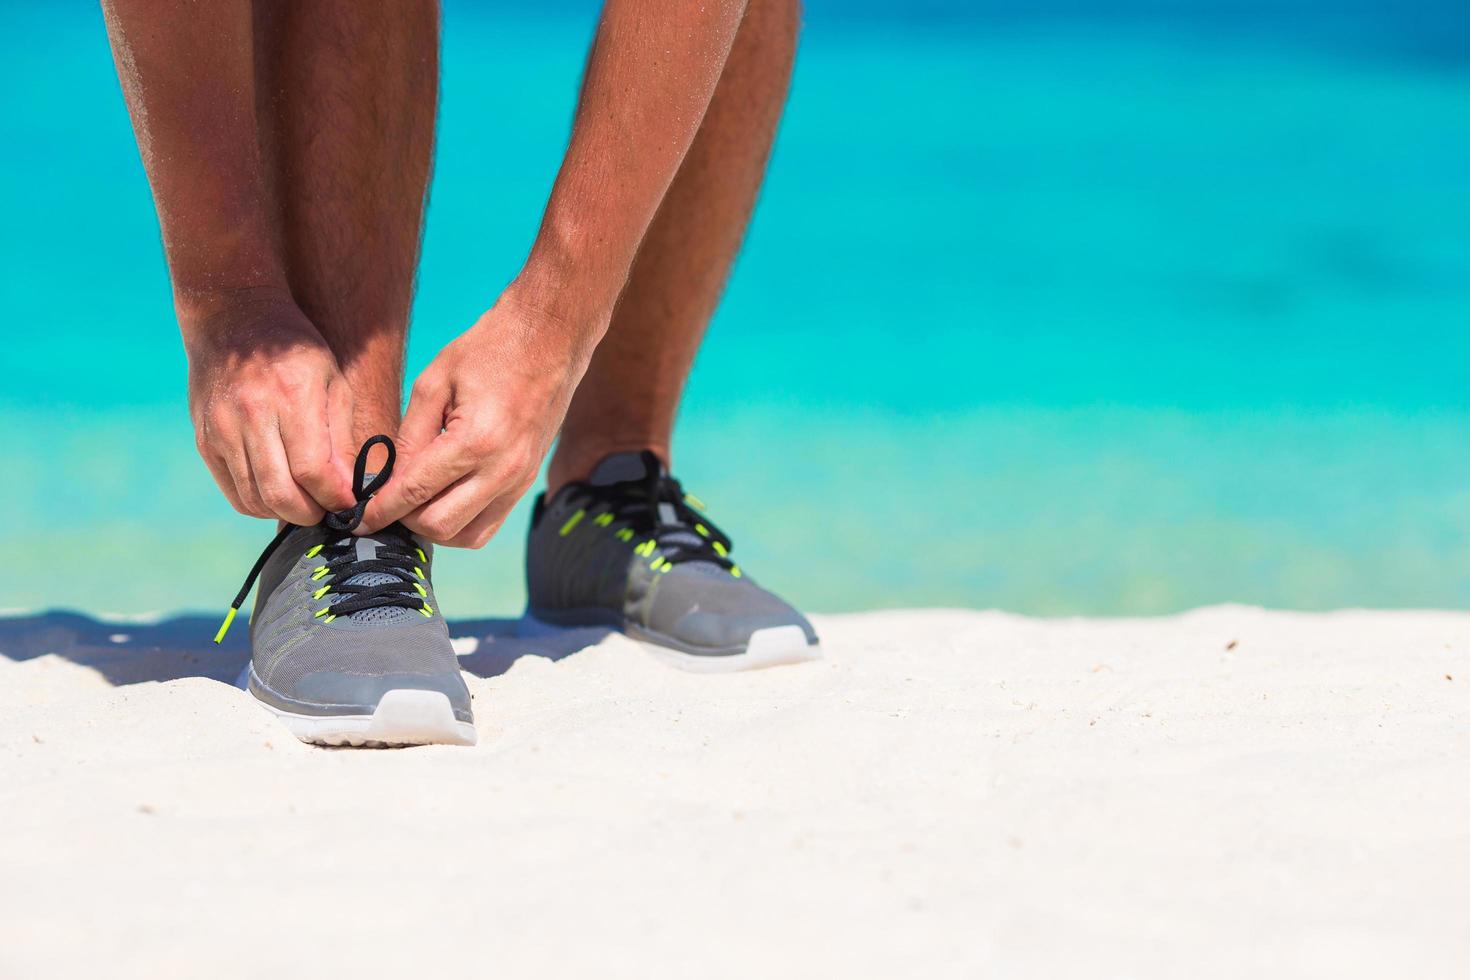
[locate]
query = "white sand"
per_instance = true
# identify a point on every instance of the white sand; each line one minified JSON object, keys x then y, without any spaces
{"x":1225,"y":793}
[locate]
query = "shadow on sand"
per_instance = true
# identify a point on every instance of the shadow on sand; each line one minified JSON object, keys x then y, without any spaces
{"x":182,"y":646}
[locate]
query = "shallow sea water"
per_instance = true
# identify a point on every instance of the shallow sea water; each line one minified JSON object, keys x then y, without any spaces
{"x":1061,"y":313}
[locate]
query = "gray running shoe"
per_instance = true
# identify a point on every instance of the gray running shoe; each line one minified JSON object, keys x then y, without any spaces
{"x":347,"y":645}
{"x":628,"y":549}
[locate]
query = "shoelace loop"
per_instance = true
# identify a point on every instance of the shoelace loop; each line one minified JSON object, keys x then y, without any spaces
{"x":347,"y":520}
{"x":396,"y":554}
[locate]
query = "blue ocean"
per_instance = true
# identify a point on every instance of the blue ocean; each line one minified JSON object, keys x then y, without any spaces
{"x":1062,"y":308}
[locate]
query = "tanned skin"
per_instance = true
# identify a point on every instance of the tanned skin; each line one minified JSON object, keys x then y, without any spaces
{"x":289,"y":145}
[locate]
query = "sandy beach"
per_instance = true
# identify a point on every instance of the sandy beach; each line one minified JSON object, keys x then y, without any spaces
{"x":1226,"y":792}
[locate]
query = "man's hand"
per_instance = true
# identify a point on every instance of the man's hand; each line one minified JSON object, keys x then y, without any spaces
{"x":272,"y":413}
{"x":499,"y":393}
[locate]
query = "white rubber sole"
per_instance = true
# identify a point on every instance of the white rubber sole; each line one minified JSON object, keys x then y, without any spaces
{"x":403,"y":717}
{"x":771,"y":647}
{"x":774,"y":646}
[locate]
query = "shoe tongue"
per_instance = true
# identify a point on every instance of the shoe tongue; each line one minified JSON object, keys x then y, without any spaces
{"x":634,"y":467}
{"x":624,"y":468}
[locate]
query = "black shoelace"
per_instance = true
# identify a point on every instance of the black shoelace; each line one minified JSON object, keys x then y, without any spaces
{"x":661,"y":515}
{"x":396,"y":555}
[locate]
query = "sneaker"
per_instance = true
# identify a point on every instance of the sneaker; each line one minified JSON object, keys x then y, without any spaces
{"x":346,"y":645}
{"x":628,"y":549}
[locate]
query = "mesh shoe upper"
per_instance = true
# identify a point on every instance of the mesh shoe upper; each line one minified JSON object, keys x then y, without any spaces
{"x":626,"y":548}
{"x":303,"y":663}
{"x":340,"y":620}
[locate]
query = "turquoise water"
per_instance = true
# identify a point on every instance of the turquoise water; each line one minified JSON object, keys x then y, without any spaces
{"x":1066,"y":313}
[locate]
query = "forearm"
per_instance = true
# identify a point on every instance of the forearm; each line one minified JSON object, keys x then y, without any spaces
{"x":188,"y":75}
{"x":650,"y":77}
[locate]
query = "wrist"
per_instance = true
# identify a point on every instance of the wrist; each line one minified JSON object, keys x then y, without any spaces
{"x":564,"y":303}
{"x":244,"y":318}
{"x":215,"y":267}
{"x":200,"y":299}
{"x":575,"y":270}
{"x":199,"y":307}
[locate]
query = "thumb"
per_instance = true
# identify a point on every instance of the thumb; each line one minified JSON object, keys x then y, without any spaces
{"x":422,"y":424}
{"x":427,"y":405}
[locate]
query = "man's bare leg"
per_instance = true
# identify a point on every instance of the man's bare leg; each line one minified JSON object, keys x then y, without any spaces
{"x":630,"y":394}
{"x":345,"y":95}
{"x":604,"y":554}
{"x":345,"y":108}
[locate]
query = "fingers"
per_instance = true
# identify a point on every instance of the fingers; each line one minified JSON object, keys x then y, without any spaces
{"x":468,"y":514}
{"x":424,"y":419}
{"x":312,"y":466}
{"x":446,"y":515}
{"x":430,"y":471}
{"x":478,"y":532}
{"x":272,"y":412}
{"x":469,"y":449}
{"x":246,"y":499}
{"x":212,"y":441}
{"x":222,"y":476}
{"x":282,"y":496}
{"x":428,"y":460}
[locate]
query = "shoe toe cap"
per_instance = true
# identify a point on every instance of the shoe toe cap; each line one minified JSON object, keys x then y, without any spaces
{"x":341,"y":691}
{"x":365,"y":691}
{"x":719,"y":615}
